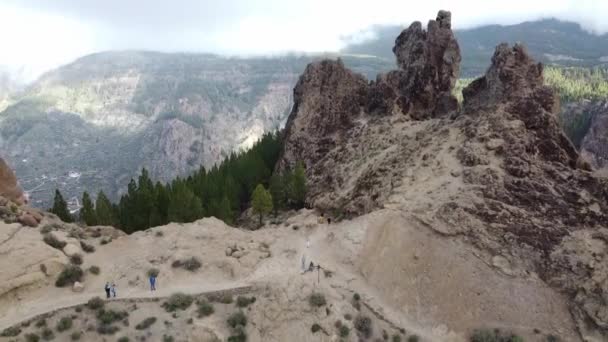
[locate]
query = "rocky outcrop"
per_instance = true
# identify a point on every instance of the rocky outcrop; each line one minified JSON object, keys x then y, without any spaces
{"x":428,"y":68}
{"x":500,"y":173}
{"x":9,"y":187}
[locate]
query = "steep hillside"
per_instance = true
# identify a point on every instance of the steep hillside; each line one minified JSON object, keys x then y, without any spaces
{"x":93,"y":124}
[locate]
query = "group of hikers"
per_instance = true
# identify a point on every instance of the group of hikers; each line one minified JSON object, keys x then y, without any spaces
{"x":111,"y":287}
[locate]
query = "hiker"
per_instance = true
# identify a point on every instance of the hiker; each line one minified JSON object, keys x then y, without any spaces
{"x":307,"y":243}
{"x":303,"y":263}
{"x":107,"y":288}
{"x":113,"y":290}
{"x":152,"y":282}
{"x":311,"y":267}
{"x":328,"y":220}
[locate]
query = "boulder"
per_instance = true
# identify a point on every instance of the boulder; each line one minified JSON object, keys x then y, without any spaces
{"x":78,"y":287}
{"x":71,"y":249}
{"x":28,"y":220}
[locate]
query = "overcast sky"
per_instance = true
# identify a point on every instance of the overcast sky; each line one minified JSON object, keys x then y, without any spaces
{"x":42,"y":34}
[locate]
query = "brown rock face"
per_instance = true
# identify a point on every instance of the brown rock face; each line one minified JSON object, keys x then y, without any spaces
{"x":327,"y":100}
{"x":594,"y":146}
{"x":429,"y":66}
{"x":9,"y":187}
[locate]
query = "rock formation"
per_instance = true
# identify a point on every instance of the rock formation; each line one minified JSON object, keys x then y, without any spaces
{"x":9,"y":187}
{"x":594,"y":146}
{"x":500,"y":173}
{"x":428,"y":68}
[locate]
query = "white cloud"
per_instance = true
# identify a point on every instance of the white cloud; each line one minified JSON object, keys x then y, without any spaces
{"x":41,"y":34}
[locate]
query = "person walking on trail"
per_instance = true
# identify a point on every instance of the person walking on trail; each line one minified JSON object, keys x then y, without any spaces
{"x":307,"y":243}
{"x":113,"y":290}
{"x":152,"y":282}
{"x":303,"y":263}
{"x":107,"y":288}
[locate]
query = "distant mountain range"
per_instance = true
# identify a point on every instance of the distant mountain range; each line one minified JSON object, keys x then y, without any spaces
{"x":550,"y":41}
{"x":93,"y":124}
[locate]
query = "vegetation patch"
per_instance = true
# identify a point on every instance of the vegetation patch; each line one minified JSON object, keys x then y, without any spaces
{"x":344,"y":331}
{"x":110,"y":316}
{"x":204,"y":308}
{"x":415,"y":338}
{"x":76,"y":335}
{"x":32,"y":338}
{"x":76,"y":259}
{"x":47,"y":334}
{"x":363,"y":324}
{"x":191,"y":264}
{"x":146,"y":323}
{"x":69,"y":275}
{"x":315,"y":327}
{"x":317,"y":299}
{"x":11,"y":332}
{"x":496,"y":335}
{"x":86,"y":247}
{"x":178,"y":301}
{"x":153,"y":272}
{"x":242,"y":301}
{"x":94,"y":270}
{"x":237,"y":322}
{"x":95,"y":303}
{"x":65,"y":323}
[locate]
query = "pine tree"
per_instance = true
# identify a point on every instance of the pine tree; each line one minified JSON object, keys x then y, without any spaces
{"x":225,"y":211}
{"x":298,"y":186}
{"x":60,"y":208}
{"x":261,"y":201}
{"x":87,"y":213}
{"x":104,"y":210}
{"x":277,"y":191}
{"x":184,"y":206}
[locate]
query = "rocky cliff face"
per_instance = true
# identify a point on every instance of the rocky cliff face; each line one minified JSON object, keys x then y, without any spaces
{"x":499,"y":174}
{"x":594,"y":146}
{"x":9,"y":187}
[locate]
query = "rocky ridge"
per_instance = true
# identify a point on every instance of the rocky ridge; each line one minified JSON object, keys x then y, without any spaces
{"x":498,"y":173}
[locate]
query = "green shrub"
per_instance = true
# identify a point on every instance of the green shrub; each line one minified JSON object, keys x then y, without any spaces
{"x":146,"y":323}
{"x":178,"y":301}
{"x":86,"y":247}
{"x":78,"y":309}
{"x":242,"y":301}
{"x":396,"y":338}
{"x":65,"y":323}
{"x":106,"y":329}
{"x":95,"y":303}
{"x":204,"y":308}
{"x":52,"y":241}
{"x":364,"y":325}
{"x":159,"y":233}
{"x":110,"y":316}
{"x":94,"y":270}
{"x":384,"y":335}
{"x":356,"y":297}
{"x":315,"y":327}
{"x":76,"y":336}
{"x":123,"y":339}
{"x":153,"y":272}
{"x":76,"y":259}
{"x":32,"y":338}
{"x":348,"y":317}
{"x":317,"y":299}
{"x":41,"y":323}
{"x":168,"y":338}
{"x":69,"y":275}
{"x":47,"y":334}
{"x":47,"y":228}
{"x":344,"y":331}
{"x":105,"y":241}
{"x":487,"y":335}
{"x":224,"y":298}
{"x":236,"y":319}
{"x":43,"y":269}
{"x":413,"y":338}
{"x":552,"y":338}
{"x":191,"y":264}
{"x":11,"y":332}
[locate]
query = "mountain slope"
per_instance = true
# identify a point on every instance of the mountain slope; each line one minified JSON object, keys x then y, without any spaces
{"x":93,"y":124}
